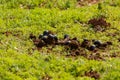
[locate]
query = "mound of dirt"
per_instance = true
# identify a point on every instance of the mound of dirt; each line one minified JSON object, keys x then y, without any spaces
{"x":71,"y":45}
{"x":99,"y":24}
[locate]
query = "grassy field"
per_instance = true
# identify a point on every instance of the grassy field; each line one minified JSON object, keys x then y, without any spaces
{"x":19,"y":58}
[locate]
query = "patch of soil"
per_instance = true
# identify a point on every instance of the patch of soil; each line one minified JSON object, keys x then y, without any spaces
{"x":92,"y":56}
{"x":85,"y":43}
{"x":77,"y":52}
{"x":92,"y":74}
{"x":95,"y":56}
{"x":99,"y":24}
{"x":71,"y":45}
{"x":115,"y":55}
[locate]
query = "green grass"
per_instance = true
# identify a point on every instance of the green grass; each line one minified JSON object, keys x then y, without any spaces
{"x":15,"y":59}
